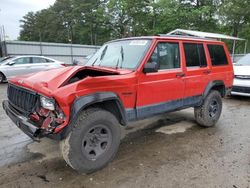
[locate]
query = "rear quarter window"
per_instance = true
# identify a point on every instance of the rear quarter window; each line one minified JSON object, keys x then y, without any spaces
{"x":217,"y":55}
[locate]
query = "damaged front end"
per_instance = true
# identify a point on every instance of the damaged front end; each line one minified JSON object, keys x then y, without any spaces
{"x":34,"y":114}
{"x":47,"y":115}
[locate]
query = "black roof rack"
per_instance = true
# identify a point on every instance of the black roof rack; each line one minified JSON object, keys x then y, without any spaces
{"x":185,"y":36}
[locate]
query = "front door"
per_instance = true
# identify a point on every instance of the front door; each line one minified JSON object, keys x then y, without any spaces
{"x":20,"y":66}
{"x":161,"y":91}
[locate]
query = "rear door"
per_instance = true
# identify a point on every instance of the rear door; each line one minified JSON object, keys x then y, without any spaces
{"x":221,"y":63}
{"x":197,"y":72}
{"x":163,"y":90}
{"x":39,"y":64}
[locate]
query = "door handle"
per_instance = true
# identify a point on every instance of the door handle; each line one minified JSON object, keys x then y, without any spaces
{"x":181,"y":74}
{"x":207,"y":72}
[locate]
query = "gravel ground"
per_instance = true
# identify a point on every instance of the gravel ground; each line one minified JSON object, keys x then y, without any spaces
{"x":165,"y":151}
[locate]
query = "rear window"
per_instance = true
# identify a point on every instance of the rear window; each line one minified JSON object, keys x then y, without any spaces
{"x":217,"y":54}
{"x":38,"y":60}
{"x":195,"y":55}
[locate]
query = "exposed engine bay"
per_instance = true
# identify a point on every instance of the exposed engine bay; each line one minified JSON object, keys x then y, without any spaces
{"x":89,"y":72}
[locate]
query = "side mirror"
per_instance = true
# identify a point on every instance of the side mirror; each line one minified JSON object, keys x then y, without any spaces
{"x":11,"y":63}
{"x":150,"y":67}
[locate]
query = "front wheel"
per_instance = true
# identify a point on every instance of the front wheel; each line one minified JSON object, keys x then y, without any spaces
{"x":2,"y":77}
{"x":209,"y":112}
{"x":93,"y":142}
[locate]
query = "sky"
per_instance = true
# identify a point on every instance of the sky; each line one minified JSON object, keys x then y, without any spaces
{"x":12,"y":11}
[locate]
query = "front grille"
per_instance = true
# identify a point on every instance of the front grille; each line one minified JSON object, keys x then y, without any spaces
{"x":22,"y":99}
{"x":242,"y":76}
{"x":241,"y":89}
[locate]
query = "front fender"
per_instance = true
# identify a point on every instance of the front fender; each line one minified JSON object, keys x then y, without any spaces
{"x":4,"y":71}
{"x":85,"y":101}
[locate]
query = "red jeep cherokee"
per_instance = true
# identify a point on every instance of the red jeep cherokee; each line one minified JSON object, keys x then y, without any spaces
{"x":126,"y":80}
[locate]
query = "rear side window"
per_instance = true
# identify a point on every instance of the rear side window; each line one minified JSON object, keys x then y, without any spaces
{"x":217,"y":54}
{"x":49,"y":61}
{"x":195,"y":55}
{"x":38,"y":60}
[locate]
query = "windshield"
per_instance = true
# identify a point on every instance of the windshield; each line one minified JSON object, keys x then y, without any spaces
{"x":125,"y":54}
{"x":244,"y":60}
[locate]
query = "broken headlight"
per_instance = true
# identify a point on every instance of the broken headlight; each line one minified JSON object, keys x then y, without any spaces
{"x":47,"y":103}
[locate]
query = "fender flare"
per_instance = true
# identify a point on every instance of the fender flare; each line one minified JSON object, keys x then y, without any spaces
{"x":83,"y":102}
{"x":4,"y":76}
{"x":211,"y":85}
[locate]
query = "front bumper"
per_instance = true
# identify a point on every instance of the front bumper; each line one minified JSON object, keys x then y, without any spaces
{"x":241,"y":87}
{"x":22,"y":122}
{"x":26,"y":126}
{"x":241,"y":92}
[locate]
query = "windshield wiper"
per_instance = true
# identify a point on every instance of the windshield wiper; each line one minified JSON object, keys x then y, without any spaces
{"x":103,"y":54}
{"x":94,"y":62}
{"x":122,"y":55}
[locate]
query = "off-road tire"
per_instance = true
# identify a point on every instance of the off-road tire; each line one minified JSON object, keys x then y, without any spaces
{"x":2,"y":77}
{"x":206,"y":115}
{"x":73,"y":147}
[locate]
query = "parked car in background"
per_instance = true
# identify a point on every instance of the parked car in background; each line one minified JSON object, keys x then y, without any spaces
{"x":83,"y":61}
{"x":19,"y":65}
{"x":241,"y":85}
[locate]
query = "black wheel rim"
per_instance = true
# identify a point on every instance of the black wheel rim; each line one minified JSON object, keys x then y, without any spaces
{"x":213,"y":108}
{"x":96,"y":141}
{"x":1,"y":78}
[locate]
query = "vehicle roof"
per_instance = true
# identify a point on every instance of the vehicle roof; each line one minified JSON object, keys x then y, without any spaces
{"x":170,"y":37}
{"x":17,"y":56}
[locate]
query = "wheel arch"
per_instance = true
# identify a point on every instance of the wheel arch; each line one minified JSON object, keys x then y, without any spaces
{"x":106,"y":100}
{"x":5,"y":78}
{"x":215,"y":85}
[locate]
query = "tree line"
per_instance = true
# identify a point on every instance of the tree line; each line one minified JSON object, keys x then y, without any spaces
{"x":97,"y":21}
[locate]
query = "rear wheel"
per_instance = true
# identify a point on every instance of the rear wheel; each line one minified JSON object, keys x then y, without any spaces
{"x":209,"y":112}
{"x":93,"y":142}
{"x":2,"y":77}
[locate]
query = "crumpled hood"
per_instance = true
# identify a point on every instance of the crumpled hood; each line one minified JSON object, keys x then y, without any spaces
{"x":241,"y":70}
{"x":45,"y":82}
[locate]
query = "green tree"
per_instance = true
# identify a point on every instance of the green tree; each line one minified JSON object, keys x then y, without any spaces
{"x":97,"y":21}
{"x":28,"y":27}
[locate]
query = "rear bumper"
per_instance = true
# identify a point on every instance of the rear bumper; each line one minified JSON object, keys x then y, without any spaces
{"x":21,"y":122}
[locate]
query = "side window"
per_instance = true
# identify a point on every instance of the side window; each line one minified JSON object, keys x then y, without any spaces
{"x":166,"y":55}
{"x":22,"y":60}
{"x":49,"y":61}
{"x":217,"y":54}
{"x":38,"y":60}
{"x":195,"y":55}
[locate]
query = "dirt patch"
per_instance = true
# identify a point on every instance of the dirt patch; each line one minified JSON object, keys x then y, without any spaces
{"x":187,"y":156}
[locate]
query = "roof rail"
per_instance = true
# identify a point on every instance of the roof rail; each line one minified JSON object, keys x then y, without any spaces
{"x":186,"y":36}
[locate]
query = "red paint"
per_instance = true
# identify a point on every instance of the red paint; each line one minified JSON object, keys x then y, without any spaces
{"x":145,"y":89}
{"x":35,"y":117}
{"x":46,"y":123}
